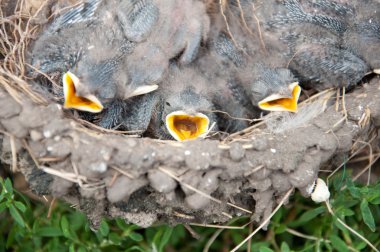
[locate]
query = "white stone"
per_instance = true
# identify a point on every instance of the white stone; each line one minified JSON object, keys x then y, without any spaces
{"x":321,"y":192}
{"x":47,"y":134}
{"x":99,"y":167}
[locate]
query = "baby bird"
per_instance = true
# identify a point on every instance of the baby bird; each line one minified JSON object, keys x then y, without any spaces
{"x":94,"y":45}
{"x":178,"y":33}
{"x":115,"y":50}
{"x":233,"y":108}
{"x":185,"y":111}
{"x":239,"y":57}
{"x":324,"y":42}
{"x":89,"y":50}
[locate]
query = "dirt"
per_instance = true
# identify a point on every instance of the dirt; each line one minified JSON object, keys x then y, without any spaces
{"x":146,"y":181}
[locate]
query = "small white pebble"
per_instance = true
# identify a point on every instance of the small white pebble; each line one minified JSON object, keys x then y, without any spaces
{"x":273,"y":150}
{"x":49,"y":148}
{"x":57,"y":138}
{"x":187,"y":152}
{"x":105,"y":154}
{"x":47,"y":133}
{"x":90,"y":47}
{"x":321,"y":192}
{"x":153,"y":154}
{"x":99,"y":167}
{"x":35,"y":135}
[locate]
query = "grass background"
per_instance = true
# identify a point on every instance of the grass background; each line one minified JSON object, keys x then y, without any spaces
{"x":300,"y":226}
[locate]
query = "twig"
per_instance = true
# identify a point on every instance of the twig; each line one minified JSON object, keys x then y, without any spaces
{"x":192,"y":232}
{"x":349,"y":228}
{"x":200,"y":192}
{"x":368,"y":167}
{"x":51,"y":206}
{"x":122,"y":172}
{"x":337,"y":100}
{"x":212,"y":239}
{"x":217,"y":226}
{"x":259,"y":29}
{"x":349,"y":158}
{"x":114,"y":177}
{"x":344,"y":104}
{"x":265,"y":222}
{"x":308,"y":237}
{"x":250,"y":229}
{"x":14,"y":154}
{"x":227,"y":25}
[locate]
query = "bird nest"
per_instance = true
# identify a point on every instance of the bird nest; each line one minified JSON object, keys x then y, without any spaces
{"x":112,"y":174}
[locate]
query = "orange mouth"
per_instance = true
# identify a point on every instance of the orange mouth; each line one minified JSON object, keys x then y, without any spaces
{"x":280,"y":103}
{"x":89,"y":103}
{"x":186,"y":127}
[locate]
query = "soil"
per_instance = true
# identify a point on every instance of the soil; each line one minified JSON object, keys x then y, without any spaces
{"x":146,"y":181}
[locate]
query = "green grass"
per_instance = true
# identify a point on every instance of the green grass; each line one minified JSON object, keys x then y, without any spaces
{"x":301,"y":226}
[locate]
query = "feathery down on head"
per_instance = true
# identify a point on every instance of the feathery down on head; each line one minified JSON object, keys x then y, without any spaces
{"x":186,"y":111}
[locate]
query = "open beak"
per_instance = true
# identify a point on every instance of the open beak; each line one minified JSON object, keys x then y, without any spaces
{"x":277,"y":102}
{"x":89,"y":103}
{"x":183,"y":126}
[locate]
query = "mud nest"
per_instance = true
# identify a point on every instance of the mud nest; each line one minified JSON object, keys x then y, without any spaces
{"x":145,"y":181}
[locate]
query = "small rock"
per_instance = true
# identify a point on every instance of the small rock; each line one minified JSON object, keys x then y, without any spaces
{"x":14,"y":127}
{"x":161,"y":182}
{"x":321,"y":192}
{"x":123,"y":187}
{"x":197,"y":201}
{"x":236,"y":152}
{"x":35,"y":135}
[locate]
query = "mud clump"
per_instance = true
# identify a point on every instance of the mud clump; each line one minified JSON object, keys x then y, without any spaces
{"x":203,"y":181}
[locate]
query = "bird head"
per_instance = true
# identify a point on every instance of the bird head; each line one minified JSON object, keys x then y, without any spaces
{"x":187,"y":115}
{"x":86,"y":92}
{"x":92,"y":81}
{"x":276,"y":90}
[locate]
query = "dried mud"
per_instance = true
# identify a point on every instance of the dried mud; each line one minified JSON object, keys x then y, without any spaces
{"x":146,"y":181}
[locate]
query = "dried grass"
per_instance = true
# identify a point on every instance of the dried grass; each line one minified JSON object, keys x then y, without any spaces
{"x":16,"y":32}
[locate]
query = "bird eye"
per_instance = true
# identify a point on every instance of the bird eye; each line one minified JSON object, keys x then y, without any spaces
{"x":167,"y":104}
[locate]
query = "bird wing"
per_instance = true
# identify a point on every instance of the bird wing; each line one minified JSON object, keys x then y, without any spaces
{"x":81,"y":13}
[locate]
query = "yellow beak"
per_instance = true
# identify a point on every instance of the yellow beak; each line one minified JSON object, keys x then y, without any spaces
{"x":89,"y":103}
{"x":183,"y":126}
{"x":278,"y":102}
